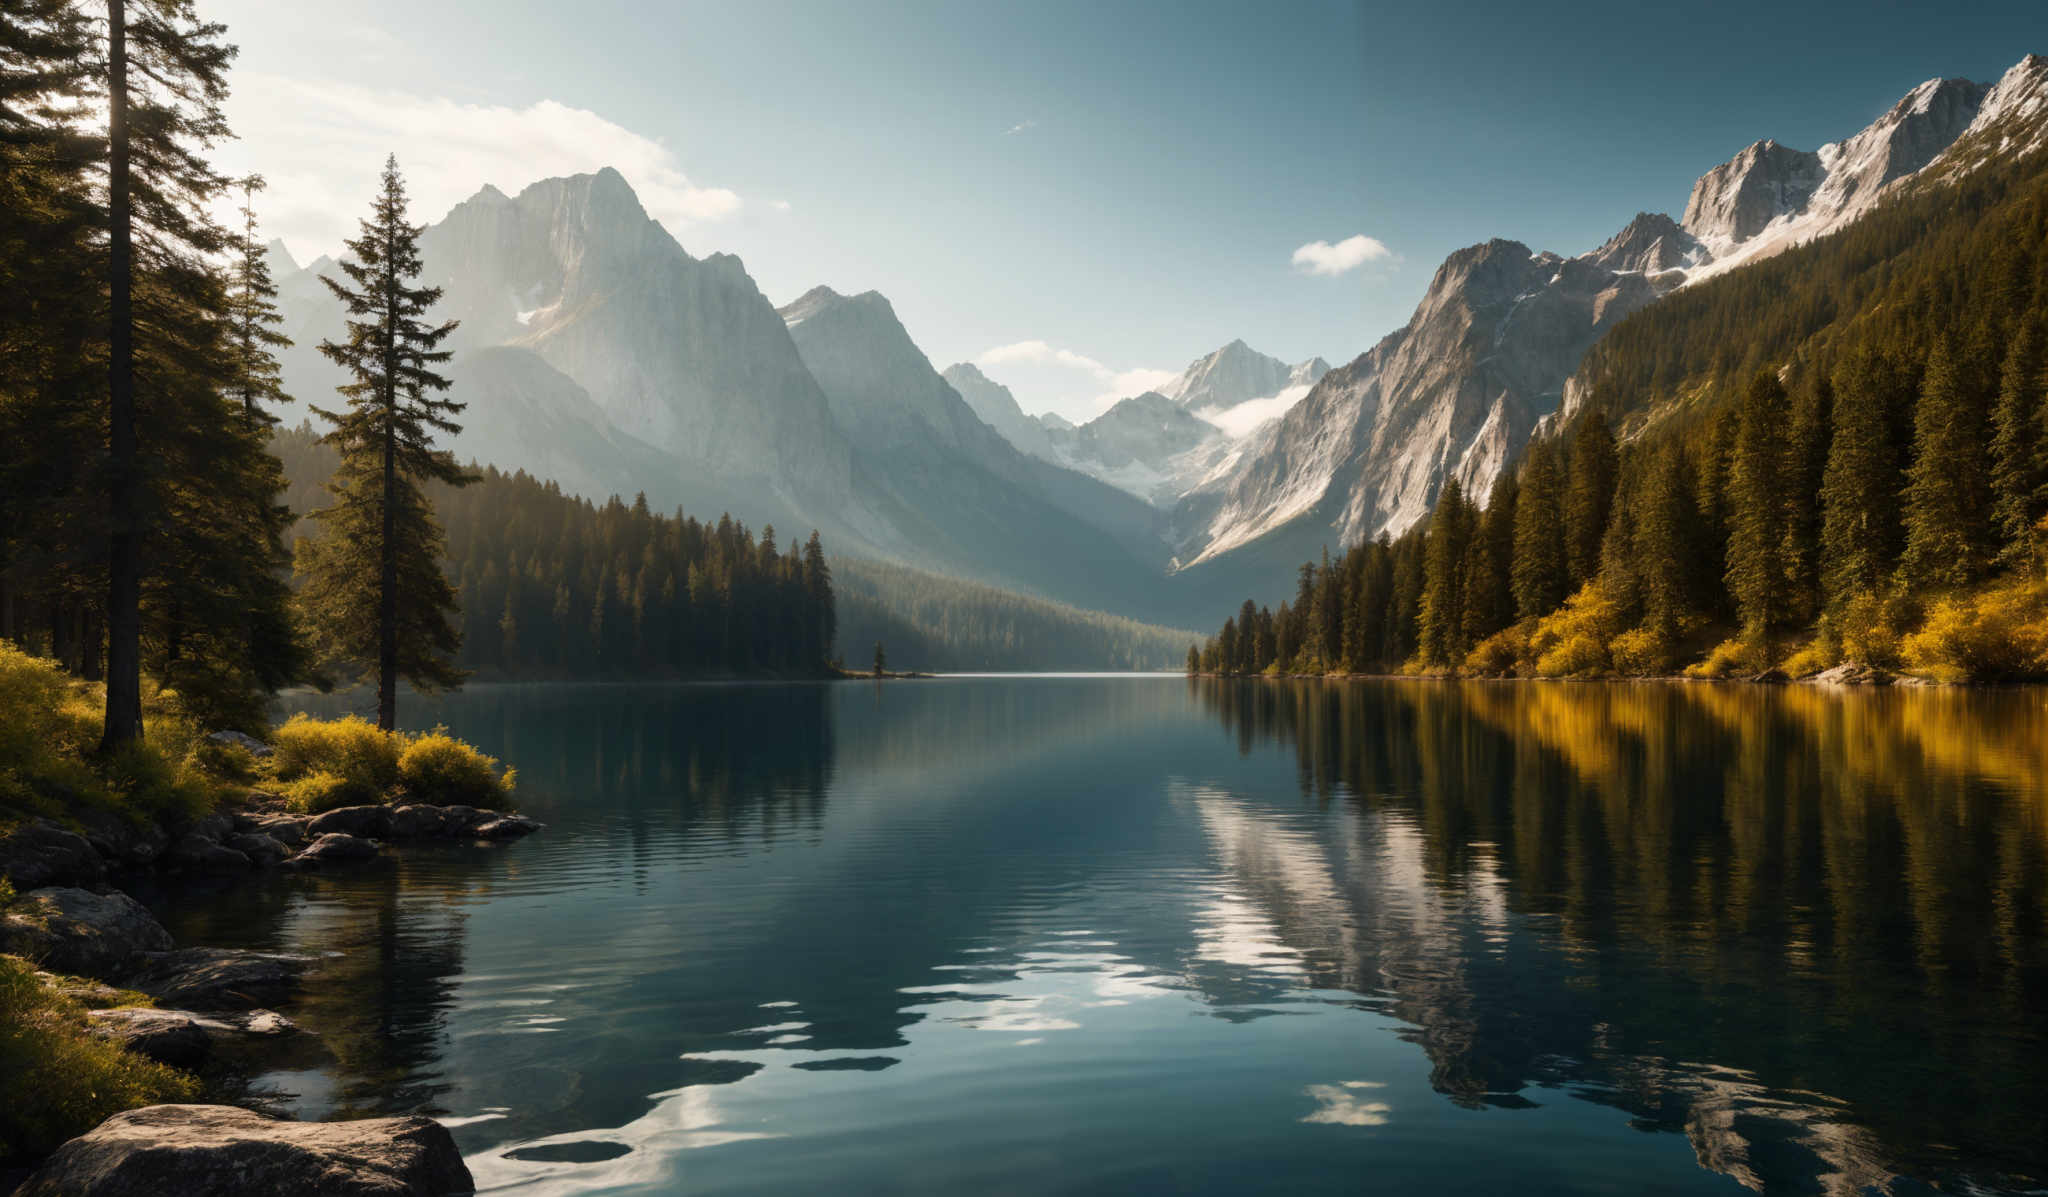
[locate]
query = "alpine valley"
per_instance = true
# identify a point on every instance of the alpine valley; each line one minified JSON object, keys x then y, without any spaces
{"x":595,"y":351}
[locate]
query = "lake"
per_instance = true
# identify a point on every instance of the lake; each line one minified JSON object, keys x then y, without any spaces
{"x":1146,"y":934}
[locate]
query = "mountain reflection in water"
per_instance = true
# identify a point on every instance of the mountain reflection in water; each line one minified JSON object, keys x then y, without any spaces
{"x":950,"y":935}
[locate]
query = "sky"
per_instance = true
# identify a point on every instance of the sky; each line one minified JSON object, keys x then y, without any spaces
{"x":1080,"y":197}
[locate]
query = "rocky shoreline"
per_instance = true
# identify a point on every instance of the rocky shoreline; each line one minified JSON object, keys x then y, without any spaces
{"x":1846,"y":674}
{"x":101,"y":947}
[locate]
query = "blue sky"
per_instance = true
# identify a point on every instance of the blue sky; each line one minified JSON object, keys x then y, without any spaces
{"x":1117,"y":188}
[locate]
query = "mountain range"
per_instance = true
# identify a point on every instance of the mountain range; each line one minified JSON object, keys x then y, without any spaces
{"x":595,"y":351}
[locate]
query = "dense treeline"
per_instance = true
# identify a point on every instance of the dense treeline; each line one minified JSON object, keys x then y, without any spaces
{"x":552,"y":585}
{"x":933,"y":622}
{"x":1840,"y":454}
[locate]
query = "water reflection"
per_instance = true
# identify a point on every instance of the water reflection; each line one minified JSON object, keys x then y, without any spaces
{"x":1738,"y":899}
{"x":1063,"y":934}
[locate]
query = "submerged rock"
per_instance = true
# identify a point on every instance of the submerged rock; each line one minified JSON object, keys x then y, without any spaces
{"x":40,"y":853}
{"x":506,"y":827}
{"x":213,"y":979}
{"x":228,"y":1152}
{"x":334,"y":846}
{"x":261,"y":849}
{"x":77,"y":931}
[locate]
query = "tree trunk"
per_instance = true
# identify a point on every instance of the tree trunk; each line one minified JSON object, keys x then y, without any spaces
{"x":124,"y":547}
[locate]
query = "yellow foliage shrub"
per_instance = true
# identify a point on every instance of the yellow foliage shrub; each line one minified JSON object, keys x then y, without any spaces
{"x":2000,"y":633}
{"x":1498,"y":654}
{"x":1572,"y":641}
{"x":441,"y":769}
{"x":1870,"y":627}
{"x":1730,"y":658}
{"x":1642,"y":652}
{"x":351,"y":748}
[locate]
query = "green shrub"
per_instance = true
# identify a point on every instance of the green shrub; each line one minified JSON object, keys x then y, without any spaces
{"x":438,"y":768}
{"x":61,"y":1081}
{"x":351,"y":748}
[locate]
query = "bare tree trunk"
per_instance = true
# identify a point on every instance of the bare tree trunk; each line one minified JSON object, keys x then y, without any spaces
{"x":124,"y":547}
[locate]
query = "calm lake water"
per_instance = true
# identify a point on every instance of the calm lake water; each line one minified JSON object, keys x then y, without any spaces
{"x":1115,"y":934}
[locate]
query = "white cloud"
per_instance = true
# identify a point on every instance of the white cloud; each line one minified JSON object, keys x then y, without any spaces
{"x":1019,"y":127}
{"x":1253,"y":412}
{"x":779,"y":205}
{"x":1321,"y":257}
{"x":1049,"y":382}
{"x":320,"y":145}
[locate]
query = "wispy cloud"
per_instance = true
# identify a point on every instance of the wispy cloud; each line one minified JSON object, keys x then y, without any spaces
{"x":1109,"y":383}
{"x":320,"y":146}
{"x":1019,"y":127}
{"x":1321,"y":257}
{"x":779,"y":205}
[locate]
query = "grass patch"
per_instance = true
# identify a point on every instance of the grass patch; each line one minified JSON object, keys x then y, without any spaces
{"x":61,"y":1080}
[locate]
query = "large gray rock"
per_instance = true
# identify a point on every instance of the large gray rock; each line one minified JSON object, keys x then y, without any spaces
{"x":70,"y":930}
{"x":418,"y":819}
{"x":121,"y":840}
{"x":247,"y":743}
{"x":40,"y":853}
{"x":183,"y":1038}
{"x":370,"y":822}
{"x":333,"y":847}
{"x":223,"y":1151}
{"x":289,"y":830}
{"x":178,"y":1038}
{"x":261,"y":849}
{"x":213,"y":979}
{"x":193,"y":852}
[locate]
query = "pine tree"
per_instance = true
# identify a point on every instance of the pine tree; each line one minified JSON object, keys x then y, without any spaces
{"x":158,"y":124}
{"x":1589,"y":491}
{"x":1756,"y":508}
{"x":253,"y":310}
{"x":2019,"y":447}
{"x":881,"y":660}
{"x":1540,"y":574}
{"x":1440,"y":618}
{"x":1859,"y":497}
{"x":374,"y":588}
{"x":1489,"y":592}
{"x":1947,"y":501}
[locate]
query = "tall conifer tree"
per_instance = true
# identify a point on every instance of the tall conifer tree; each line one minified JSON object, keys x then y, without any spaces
{"x":252,"y":306}
{"x":1756,"y":507}
{"x":374,"y":589}
{"x":1540,"y":570}
{"x":1947,"y":499}
{"x":2019,"y":446}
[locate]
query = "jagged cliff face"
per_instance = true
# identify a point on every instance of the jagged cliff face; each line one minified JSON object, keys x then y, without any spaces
{"x":1451,"y":395}
{"x":1490,"y":352}
{"x":1148,"y":445}
{"x":1237,"y":374}
{"x":998,"y":408}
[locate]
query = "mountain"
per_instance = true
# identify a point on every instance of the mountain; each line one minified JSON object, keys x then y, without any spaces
{"x":1237,"y":373}
{"x":1006,"y":517}
{"x":1492,"y":347}
{"x":997,"y":407}
{"x":1147,"y":445}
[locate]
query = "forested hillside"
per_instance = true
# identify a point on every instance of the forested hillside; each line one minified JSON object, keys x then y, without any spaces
{"x":1836,"y":455}
{"x":931,"y":622}
{"x":556,"y":586}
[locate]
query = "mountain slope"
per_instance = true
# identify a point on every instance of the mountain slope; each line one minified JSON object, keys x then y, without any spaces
{"x":1492,"y":348}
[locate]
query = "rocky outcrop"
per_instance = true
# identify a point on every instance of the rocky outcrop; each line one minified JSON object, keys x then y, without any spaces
{"x":212,"y":979}
{"x":371,"y":821}
{"x":223,"y":1151}
{"x":69,"y":930}
{"x":39,"y":853}
{"x":506,"y":827}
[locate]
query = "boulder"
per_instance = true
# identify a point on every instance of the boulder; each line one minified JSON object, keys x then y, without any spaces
{"x":247,"y":743}
{"x":178,"y":1038}
{"x":215,"y":826}
{"x":289,"y":830}
{"x":224,"y":1151}
{"x":506,"y":827}
{"x":121,"y":840}
{"x":77,"y":931}
{"x":461,"y":820}
{"x":40,"y":853}
{"x":182,"y":1038}
{"x":334,"y":846}
{"x":1852,"y":673}
{"x":417,"y":819}
{"x":196,"y":853}
{"x":370,"y":822}
{"x":258,"y":847}
{"x":213,"y":979}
